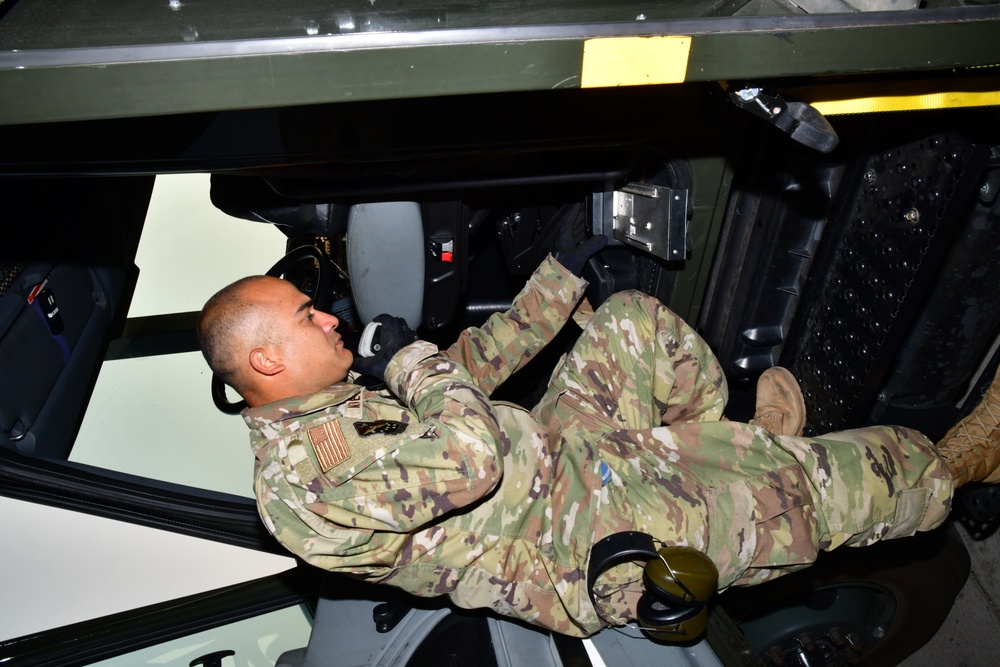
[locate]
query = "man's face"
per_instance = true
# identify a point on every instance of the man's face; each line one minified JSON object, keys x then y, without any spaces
{"x":311,"y":348}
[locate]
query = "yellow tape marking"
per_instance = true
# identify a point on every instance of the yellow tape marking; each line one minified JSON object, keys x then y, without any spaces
{"x":634,"y":61}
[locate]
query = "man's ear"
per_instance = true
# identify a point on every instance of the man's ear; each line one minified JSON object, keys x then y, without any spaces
{"x":267,"y":360}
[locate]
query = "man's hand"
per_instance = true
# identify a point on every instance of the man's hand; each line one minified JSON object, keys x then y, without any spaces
{"x":393,"y":335}
{"x":573,"y":248}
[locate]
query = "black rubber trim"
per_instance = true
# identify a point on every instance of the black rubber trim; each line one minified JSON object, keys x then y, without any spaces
{"x":118,"y":634}
{"x":155,"y":335}
{"x":185,"y":510}
{"x":571,"y":651}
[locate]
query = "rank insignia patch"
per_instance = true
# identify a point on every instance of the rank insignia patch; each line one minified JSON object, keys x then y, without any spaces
{"x":352,"y":408}
{"x":379,"y":427}
{"x":329,"y":444}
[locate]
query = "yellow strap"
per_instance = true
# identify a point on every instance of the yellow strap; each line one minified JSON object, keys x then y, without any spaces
{"x":949,"y":100}
{"x":634,"y":61}
{"x":902,"y":95}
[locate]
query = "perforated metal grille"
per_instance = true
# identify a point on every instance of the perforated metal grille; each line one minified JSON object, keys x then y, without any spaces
{"x":896,"y":220}
{"x":8,"y":274}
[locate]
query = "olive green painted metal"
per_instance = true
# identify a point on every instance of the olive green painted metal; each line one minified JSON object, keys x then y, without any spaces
{"x":228,"y":83}
{"x":712,"y":177}
{"x":862,"y":49}
{"x":165,"y":77}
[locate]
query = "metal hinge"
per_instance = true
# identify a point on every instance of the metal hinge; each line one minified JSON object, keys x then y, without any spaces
{"x":653,"y":218}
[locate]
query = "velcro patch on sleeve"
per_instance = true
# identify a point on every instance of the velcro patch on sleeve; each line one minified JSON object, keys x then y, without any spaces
{"x":341,"y":451}
{"x":300,"y":461}
{"x":379,"y":427}
{"x":353,"y":408}
{"x":330,"y":445}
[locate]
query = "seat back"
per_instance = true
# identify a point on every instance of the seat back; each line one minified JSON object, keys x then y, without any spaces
{"x":64,"y":267}
{"x":385,"y":258}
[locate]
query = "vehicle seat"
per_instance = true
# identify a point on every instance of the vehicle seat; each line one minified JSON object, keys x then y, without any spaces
{"x":63,"y":273}
{"x":405,"y":258}
{"x":385,"y":260}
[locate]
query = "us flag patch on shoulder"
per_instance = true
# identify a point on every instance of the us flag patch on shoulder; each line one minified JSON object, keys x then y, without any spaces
{"x":329,"y":444}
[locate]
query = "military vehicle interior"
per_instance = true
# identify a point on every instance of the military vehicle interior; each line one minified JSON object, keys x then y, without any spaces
{"x":856,"y":249}
{"x":866,"y":269}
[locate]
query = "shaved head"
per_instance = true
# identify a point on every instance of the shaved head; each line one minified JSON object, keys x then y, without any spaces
{"x":265,"y":339}
{"x":231,"y":324}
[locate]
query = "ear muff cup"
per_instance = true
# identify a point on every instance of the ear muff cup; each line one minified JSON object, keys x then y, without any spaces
{"x":654,"y":612}
{"x":671,"y":624}
{"x":675,"y":604}
{"x":679,"y":582}
{"x":690,"y":579}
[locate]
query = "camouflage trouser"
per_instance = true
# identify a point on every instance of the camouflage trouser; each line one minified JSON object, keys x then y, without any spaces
{"x":645,"y":394}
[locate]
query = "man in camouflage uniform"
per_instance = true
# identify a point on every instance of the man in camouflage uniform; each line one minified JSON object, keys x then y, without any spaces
{"x":431,"y":487}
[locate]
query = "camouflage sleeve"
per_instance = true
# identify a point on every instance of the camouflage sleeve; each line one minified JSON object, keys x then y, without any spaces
{"x":509,"y":340}
{"x":448,"y":461}
{"x":355,"y":507}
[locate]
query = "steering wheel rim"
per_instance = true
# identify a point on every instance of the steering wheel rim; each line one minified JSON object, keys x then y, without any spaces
{"x":322,"y":300}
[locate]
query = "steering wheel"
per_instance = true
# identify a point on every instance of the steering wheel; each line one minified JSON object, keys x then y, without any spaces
{"x":322,"y":295}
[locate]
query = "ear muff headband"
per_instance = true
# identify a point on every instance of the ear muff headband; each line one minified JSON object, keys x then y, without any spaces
{"x":615,"y":549}
{"x":679,"y":581}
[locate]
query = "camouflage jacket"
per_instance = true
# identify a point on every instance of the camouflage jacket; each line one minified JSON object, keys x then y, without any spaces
{"x":472,"y":499}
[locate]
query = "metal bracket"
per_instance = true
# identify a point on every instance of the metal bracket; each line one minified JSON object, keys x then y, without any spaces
{"x":653,"y":218}
{"x":801,"y":121}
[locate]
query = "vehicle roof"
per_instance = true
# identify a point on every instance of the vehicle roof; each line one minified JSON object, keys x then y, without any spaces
{"x":62,"y":60}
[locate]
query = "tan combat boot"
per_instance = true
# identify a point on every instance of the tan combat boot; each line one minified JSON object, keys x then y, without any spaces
{"x":972,"y":447}
{"x":780,"y":406}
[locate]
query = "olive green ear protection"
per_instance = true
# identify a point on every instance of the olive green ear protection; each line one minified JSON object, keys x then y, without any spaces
{"x":678,"y":580}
